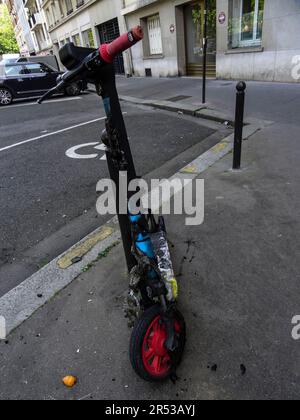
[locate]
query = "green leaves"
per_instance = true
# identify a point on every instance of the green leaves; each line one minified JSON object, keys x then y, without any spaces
{"x":8,"y":43}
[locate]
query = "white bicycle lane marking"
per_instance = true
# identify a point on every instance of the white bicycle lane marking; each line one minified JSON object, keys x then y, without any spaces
{"x":72,"y":153}
{"x":51,"y":101}
{"x":51,"y":134}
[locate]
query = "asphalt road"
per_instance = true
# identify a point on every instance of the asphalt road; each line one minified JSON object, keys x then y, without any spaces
{"x":47,"y":199}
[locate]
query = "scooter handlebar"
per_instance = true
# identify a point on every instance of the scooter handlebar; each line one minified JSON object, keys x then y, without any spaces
{"x":108,"y":52}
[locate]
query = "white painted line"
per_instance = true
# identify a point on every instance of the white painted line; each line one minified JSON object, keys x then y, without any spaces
{"x":72,"y":152}
{"x":52,"y":101}
{"x":2,"y":328}
{"x":51,"y":134}
{"x":101,"y":147}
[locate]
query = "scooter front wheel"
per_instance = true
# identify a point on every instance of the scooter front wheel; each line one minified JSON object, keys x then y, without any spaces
{"x":149,"y":357}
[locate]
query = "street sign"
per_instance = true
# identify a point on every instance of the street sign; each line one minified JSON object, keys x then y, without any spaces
{"x":222,"y":18}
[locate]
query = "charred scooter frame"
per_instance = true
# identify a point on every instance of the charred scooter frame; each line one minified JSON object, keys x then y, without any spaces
{"x":159,"y":333}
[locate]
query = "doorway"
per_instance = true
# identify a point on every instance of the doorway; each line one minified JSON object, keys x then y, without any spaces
{"x":108,"y":32}
{"x":194,"y":35}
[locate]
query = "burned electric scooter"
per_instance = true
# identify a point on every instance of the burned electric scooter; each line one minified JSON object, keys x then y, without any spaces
{"x":158,"y":336}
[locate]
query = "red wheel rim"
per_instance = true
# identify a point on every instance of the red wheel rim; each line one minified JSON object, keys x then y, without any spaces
{"x":156,"y":358}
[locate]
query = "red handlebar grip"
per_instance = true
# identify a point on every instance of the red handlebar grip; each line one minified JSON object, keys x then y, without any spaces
{"x":109,"y":51}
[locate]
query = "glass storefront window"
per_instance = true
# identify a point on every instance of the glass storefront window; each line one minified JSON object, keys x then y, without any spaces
{"x":246,"y":23}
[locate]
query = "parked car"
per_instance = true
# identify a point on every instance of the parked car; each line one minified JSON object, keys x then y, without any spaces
{"x":49,"y":60}
{"x":25,"y":80}
{"x":10,"y":58}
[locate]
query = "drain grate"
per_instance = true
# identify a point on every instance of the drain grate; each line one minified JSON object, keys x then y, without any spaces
{"x":179,"y":98}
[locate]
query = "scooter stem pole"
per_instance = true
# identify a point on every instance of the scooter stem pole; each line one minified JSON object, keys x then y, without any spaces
{"x":115,"y":115}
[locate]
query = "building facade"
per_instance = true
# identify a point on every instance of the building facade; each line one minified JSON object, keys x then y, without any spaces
{"x":258,"y":40}
{"x":38,"y":27}
{"x":173,"y":44}
{"x":86,"y":23}
{"x":22,"y":30}
{"x":247,"y":39}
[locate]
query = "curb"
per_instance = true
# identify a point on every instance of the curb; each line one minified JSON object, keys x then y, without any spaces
{"x":197,"y":111}
{"x":20,"y":303}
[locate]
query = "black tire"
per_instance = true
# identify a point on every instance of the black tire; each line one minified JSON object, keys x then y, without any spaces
{"x":73,"y":90}
{"x":6,"y":97}
{"x":137,"y":342}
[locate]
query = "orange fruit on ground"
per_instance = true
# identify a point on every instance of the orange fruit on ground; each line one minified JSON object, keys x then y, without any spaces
{"x":69,"y":381}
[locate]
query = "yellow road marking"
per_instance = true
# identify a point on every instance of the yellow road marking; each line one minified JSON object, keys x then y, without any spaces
{"x":219,"y":147}
{"x":190,"y":169}
{"x":80,"y":250}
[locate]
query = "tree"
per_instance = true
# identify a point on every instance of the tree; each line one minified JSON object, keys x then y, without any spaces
{"x":8,"y":42}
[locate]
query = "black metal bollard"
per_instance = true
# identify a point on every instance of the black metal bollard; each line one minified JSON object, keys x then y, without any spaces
{"x":239,"y":124}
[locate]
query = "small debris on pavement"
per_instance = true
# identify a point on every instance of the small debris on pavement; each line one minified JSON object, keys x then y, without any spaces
{"x":243,"y":370}
{"x":213,"y":368}
{"x":76,"y":260}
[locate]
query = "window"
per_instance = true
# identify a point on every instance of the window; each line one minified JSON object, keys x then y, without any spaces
{"x":69,"y":6}
{"x":14,"y":71}
{"x":154,"y":34}
{"x":88,"y":39}
{"x":79,"y":3}
{"x":37,"y":68}
{"x":246,"y":23}
{"x":76,"y":40}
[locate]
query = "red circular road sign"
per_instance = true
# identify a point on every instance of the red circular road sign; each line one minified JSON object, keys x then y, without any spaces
{"x":222,"y":18}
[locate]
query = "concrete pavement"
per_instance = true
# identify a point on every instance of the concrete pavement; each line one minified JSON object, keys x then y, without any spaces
{"x":238,"y":274}
{"x":270,"y":101}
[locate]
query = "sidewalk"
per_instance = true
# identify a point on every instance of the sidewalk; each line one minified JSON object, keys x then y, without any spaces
{"x":239,"y":281}
{"x":270,"y":101}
